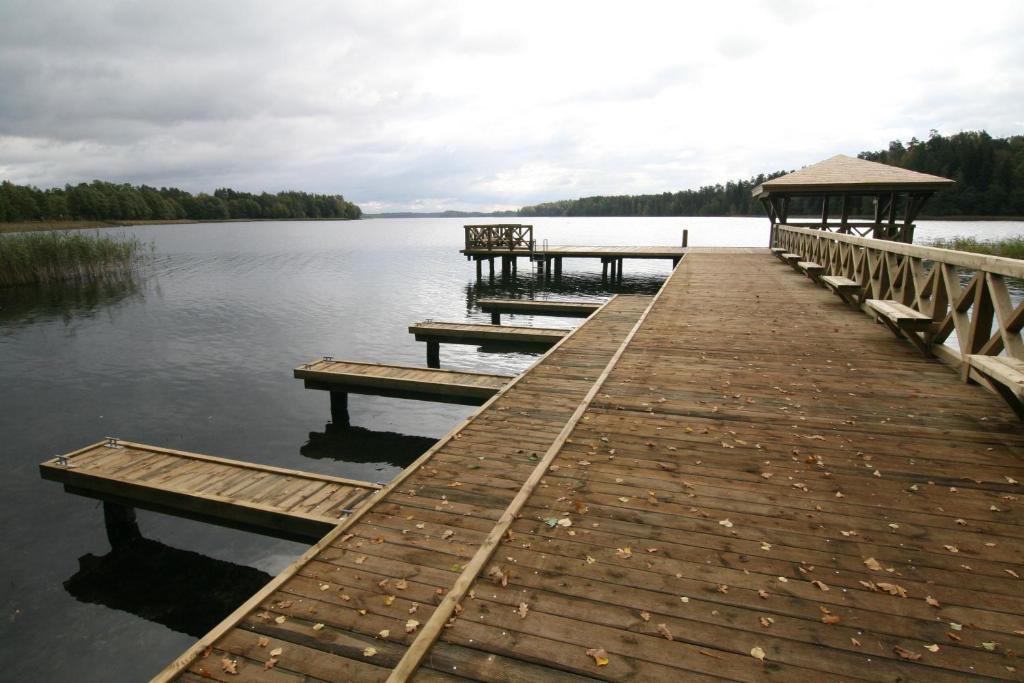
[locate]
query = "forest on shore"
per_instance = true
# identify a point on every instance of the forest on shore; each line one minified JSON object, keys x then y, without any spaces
{"x":103,"y":201}
{"x":989,"y":175}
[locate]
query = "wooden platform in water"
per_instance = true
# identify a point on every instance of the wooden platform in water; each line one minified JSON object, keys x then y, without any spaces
{"x":232,"y":493}
{"x":568,"y":309}
{"x":401,"y":381}
{"x":585,"y":252}
{"x":746,"y":482}
{"x":477,"y":334}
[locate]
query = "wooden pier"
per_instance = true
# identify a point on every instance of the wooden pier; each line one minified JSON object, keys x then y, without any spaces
{"x":765,"y":486}
{"x":476,"y":334}
{"x":566,"y":309}
{"x":269,"y":500}
{"x":342,"y":378}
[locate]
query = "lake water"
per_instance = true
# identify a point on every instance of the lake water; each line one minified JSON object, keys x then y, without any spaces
{"x":197,"y":355}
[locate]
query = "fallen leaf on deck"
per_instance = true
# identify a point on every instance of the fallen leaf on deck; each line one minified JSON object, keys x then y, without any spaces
{"x":932,"y":601}
{"x":384,"y":632}
{"x":276,"y":652}
{"x":361,"y":559}
{"x":1012,"y":573}
{"x":726,"y":523}
{"x":991,"y":647}
{"x":646,"y":616}
{"x":761,"y":593}
{"x":369,"y":651}
{"x":281,"y":619}
{"x":499,"y":575}
{"x":599,"y":655}
{"x":263,"y":641}
{"x":951,"y":548}
{"x":624,"y":553}
{"x":893,"y":589}
{"x":447,"y":533}
{"x":270,"y":663}
{"x":872,"y":564}
{"x":590,"y":560}
{"x":411,"y":626}
{"x":757,"y":653}
{"x":230,"y":666}
{"x":623,"y":499}
{"x":932,"y":648}
{"x":663,"y":630}
{"x":565,"y":522}
{"x":819,"y":585}
{"x":415,"y":606}
{"x":766,"y":621}
{"x":388,"y":599}
{"x":827,"y":617}
{"x":401,"y":584}
{"x":906,"y":654}
{"x":318,"y":627}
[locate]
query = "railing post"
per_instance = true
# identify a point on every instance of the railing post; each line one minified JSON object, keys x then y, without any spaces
{"x":686,"y":237}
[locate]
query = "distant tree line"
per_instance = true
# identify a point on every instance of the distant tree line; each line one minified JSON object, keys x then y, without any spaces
{"x":989,"y":174}
{"x":102,"y":201}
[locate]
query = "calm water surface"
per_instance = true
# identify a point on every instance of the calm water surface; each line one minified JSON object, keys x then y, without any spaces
{"x":197,"y":355}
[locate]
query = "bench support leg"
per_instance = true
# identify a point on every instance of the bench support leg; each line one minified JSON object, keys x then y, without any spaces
{"x":911,"y":337}
{"x":339,"y":408}
{"x":122,"y":527}
{"x":433,"y":354}
{"x":495,"y":318}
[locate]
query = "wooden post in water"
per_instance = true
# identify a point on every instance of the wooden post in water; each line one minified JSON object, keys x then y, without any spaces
{"x":495,"y":318}
{"x":558,"y":267}
{"x":490,"y":265}
{"x":433,"y":354}
{"x":686,"y":237}
{"x":604,"y":269}
{"x":122,"y":527}
{"x":339,"y":408}
{"x":479,"y":269}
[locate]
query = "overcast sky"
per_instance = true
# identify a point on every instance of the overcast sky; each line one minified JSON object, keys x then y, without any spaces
{"x":486,"y":105}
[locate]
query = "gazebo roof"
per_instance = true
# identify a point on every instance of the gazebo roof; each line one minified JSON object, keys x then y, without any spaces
{"x":848,"y":174}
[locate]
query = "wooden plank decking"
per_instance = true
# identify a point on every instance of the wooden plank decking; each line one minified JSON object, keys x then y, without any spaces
{"x":741,"y":481}
{"x":584,"y":252}
{"x":477,"y":333}
{"x":230,"y":492}
{"x":401,"y":381}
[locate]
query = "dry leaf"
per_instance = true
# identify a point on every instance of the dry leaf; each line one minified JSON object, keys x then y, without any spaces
{"x":757,"y":653}
{"x":411,"y":626}
{"x":932,"y":648}
{"x":906,"y":654}
{"x":726,"y":523}
{"x":624,"y":553}
{"x":447,"y":533}
{"x":827,"y":617}
{"x":384,"y":633}
{"x":318,"y":627}
{"x":361,"y":559}
{"x":523,"y":610}
{"x":872,"y":564}
{"x":990,"y":646}
{"x":766,"y":621}
{"x":892,"y":589}
{"x":599,"y":655}
{"x":646,"y":616}
{"x":951,"y":548}
{"x":819,"y":585}
{"x":401,"y":584}
{"x":276,"y":652}
{"x":263,"y":641}
{"x":762,"y":593}
{"x":663,"y":630}
{"x":229,"y":666}
{"x":369,"y":651}
{"x":932,"y":601}
{"x":388,"y":600}
{"x":281,"y":619}
{"x":270,"y":663}
{"x":590,"y":560}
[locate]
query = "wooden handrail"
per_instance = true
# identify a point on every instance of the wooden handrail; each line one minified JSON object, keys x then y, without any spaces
{"x":928,"y":280}
{"x":504,"y":236}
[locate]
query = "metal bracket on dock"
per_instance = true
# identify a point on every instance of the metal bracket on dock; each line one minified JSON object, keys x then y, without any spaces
{"x":328,"y":359}
{"x":64,"y":461}
{"x":112,"y":442}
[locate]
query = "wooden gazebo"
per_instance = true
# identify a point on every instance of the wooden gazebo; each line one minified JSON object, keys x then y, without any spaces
{"x":896,"y":194}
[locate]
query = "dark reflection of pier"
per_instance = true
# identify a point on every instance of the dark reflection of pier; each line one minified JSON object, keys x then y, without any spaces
{"x":183,"y":590}
{"x":357,"y":444}
{"x":583,"y":285}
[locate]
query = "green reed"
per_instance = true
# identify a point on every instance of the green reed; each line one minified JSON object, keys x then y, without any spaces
{"x":1011,"y":247}
{"x":42,"y":257}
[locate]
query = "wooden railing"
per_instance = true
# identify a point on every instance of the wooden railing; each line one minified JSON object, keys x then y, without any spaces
{"x":500,"y":237}
{"x":961,"y":292}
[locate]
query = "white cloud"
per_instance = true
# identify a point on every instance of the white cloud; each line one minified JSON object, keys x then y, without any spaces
{"x":478,"y":105}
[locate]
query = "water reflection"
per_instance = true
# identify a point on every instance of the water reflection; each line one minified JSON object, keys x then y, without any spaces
{"x":161,"y":584}
{"x":66,"y":301}
{"x":568,"y":287}
{"x":357,"y":444}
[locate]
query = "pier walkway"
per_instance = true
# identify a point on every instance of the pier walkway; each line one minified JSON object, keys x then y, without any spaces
{"x":742,"y":479}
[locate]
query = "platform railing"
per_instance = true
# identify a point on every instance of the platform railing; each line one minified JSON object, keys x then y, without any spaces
{"x":500,"y":237}
{"x":962,"y":292}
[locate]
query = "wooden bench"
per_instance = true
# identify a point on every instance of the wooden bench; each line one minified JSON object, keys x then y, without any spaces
{"x":846,"y":288}
{"x":777,"y":251}
{"x":791,"y":259}
{"x":1006,"y":375}
{"x":903,"y":320}
{"x":811,"y":269}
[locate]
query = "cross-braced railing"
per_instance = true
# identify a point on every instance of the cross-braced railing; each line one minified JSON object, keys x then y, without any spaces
{"x":960,"y":292}
{"x":500,"y":237}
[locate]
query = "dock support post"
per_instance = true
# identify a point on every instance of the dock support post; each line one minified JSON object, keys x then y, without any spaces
{"x":495,"y":318}
{"x":558,"y":267}
{"x":479,"y":269}
{"x":122,"y":527}
{"x":604,"y":269}
{"x":612,"y":263}
{"x":540,"y":267}
{"x":618,"y":270}
{"x":515,"y":266}
{"x":490,"y":264}
{"x":686,"y":238}
{"x":433,"y":354}
{"x":339,"y":408}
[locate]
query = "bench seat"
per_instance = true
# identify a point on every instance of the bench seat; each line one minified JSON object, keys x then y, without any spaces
{"x":1006,"y":374}
{"x":904,"y":317}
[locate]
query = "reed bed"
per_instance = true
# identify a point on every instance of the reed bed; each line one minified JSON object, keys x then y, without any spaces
{"x":1010,"y":247}
{"x":44,"y":257}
